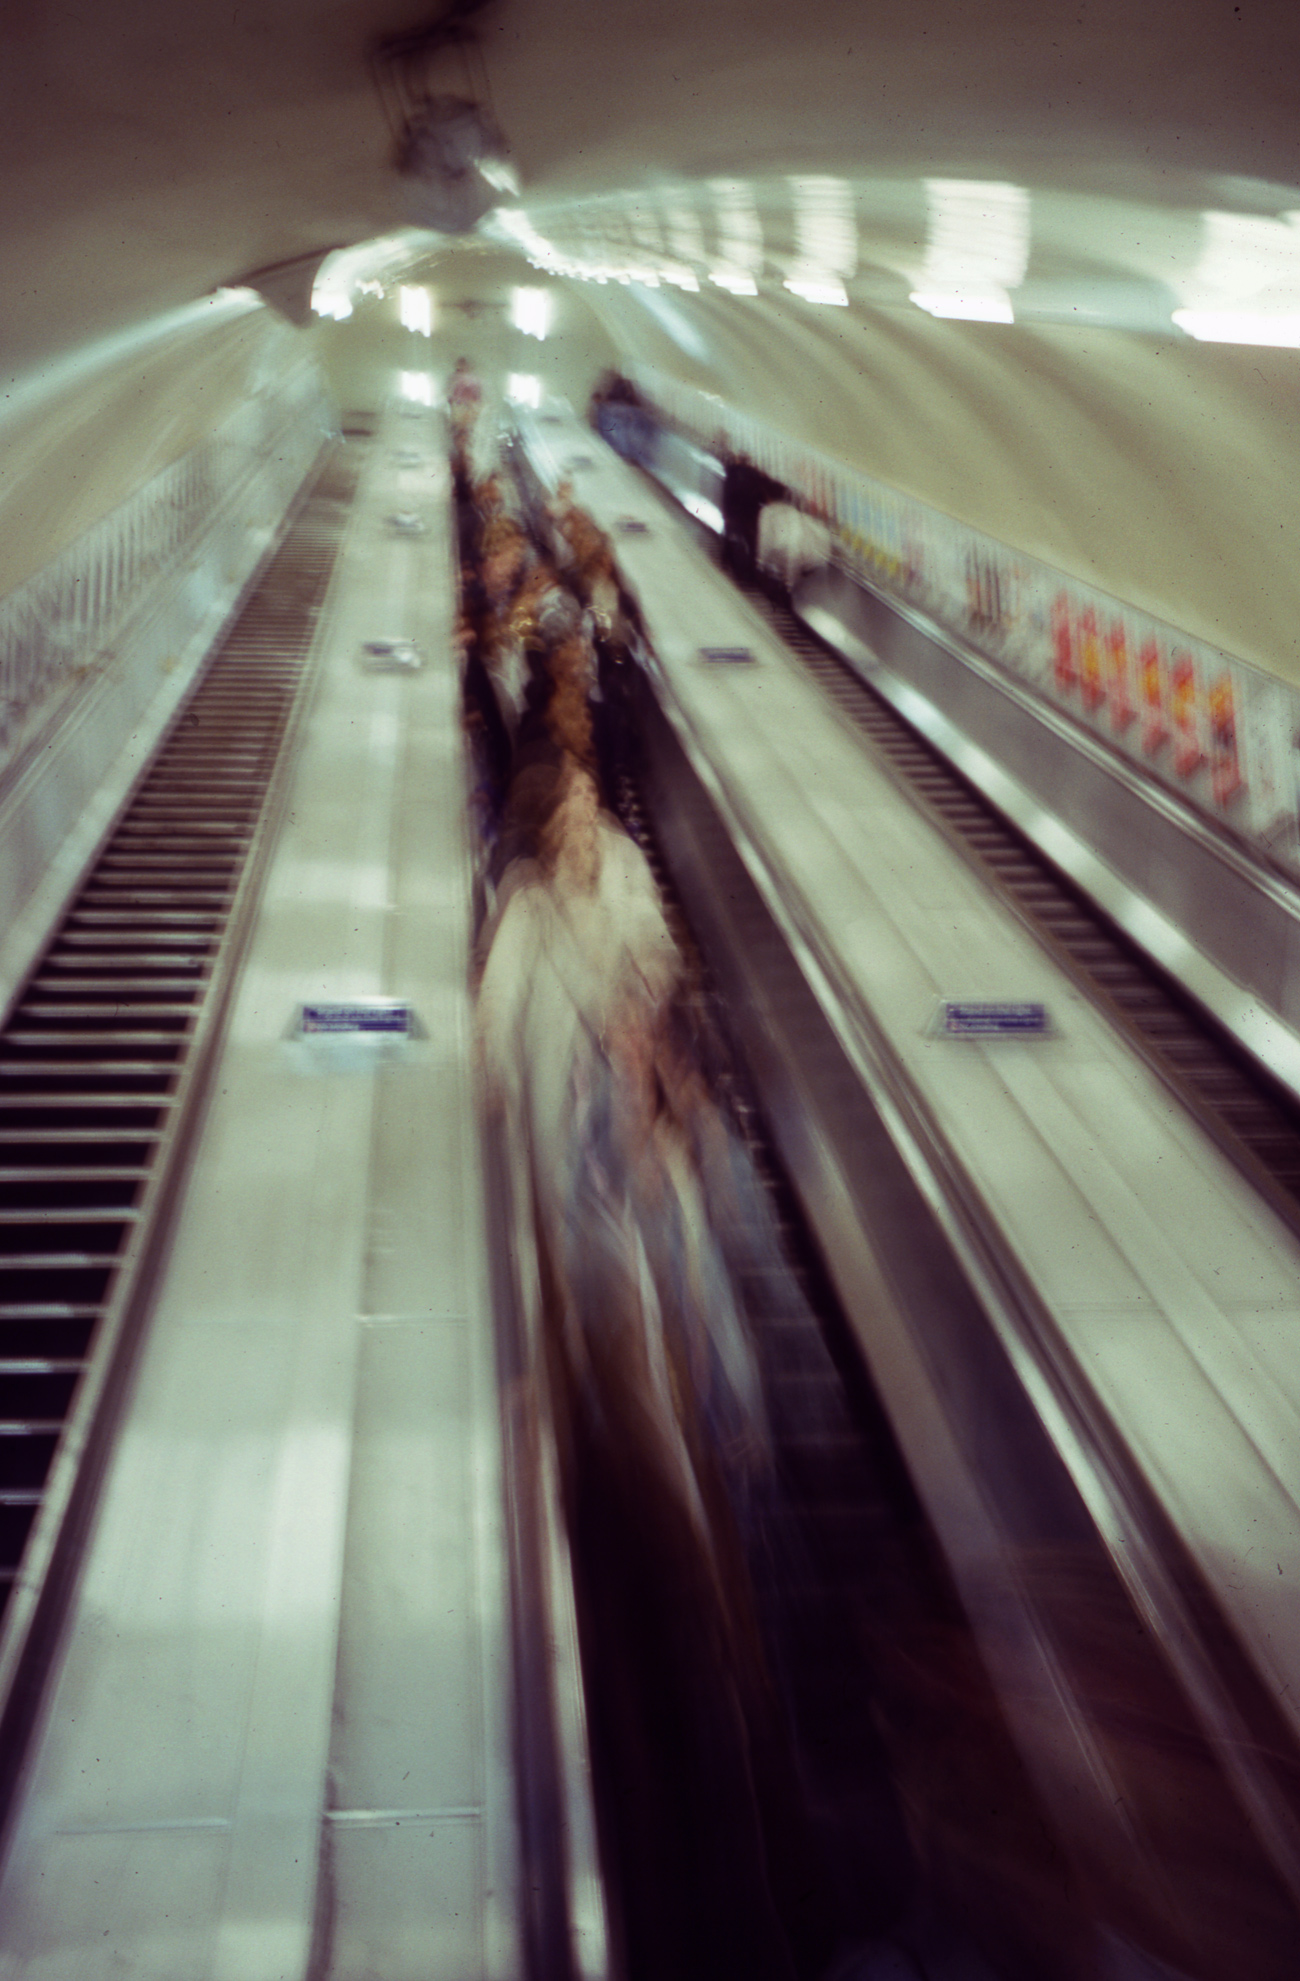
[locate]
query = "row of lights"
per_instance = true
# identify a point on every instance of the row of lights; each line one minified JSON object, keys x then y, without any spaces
{"x":976,"y":256}
{"x":531,"y":310}
{"x":522,"y":388}
{"x":978,"y":246}
{"x":1246,"y":281}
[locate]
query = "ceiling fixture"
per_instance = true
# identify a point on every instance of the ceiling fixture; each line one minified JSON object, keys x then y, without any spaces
{"x":447,"y":147}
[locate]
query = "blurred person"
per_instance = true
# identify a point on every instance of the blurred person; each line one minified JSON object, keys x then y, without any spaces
{"x":505,"y":560}
{"x":791,"y":544}
{"x":745,"y":490}
{"x":654,"y":1387}
{"x":464,"y":400}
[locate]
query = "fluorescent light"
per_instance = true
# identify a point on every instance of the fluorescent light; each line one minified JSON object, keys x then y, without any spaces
{"x":818,"y":290}
{"x":1279,"y":328}
{"x":685,"y":235}
{"x":740,"y":234}
{"x":530,"y":311}
{"x":1243,"y":256}
{"x":524,"y":388}
{"x":978,"y":236}
{"x":977,"y":250}
{"x":974,"y":306}
{"x":735,"y":280}
{"x":415,"y":307}
{"x":417,"y":386}
{"x":826,"y":227}
{"x":360,"y":270}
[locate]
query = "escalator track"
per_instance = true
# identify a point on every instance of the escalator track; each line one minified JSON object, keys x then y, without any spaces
{"x":101,"y":1059}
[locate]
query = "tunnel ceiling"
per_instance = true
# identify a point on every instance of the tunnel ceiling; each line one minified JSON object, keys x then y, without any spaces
{"x":153,"y":153}
{"x":782,"y":205}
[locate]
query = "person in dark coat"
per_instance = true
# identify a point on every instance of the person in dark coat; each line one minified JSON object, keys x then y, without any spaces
{"x":745,"y":490}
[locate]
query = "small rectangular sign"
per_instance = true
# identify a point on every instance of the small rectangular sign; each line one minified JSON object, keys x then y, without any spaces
{"x":632,"y":526}
{"x":727,"y":653}
{"x":972,"y":1018}
{"x":394,"y":1021}
{"x":391,"y":657}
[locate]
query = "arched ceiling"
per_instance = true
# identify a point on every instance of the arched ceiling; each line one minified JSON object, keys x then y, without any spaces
{"x":152,"y":152}
{"x":765,"y":189}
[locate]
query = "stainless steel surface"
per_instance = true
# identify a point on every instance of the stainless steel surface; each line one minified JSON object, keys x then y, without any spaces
{"x":276,"y":1739}
{"x":87,"y":1243}
{"x":98,"y":649}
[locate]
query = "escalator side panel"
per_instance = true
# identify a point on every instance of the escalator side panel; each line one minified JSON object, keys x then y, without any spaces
{"x":1029,"y":1564}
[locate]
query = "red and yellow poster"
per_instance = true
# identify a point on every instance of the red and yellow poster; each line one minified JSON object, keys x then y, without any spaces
{"x":1091,"y":676}
{"x":1119,"y":676}
{"x":1225,"y":767}
{"x":1185,"y":713}
{"x":1065,"y":669}
{"x":1151,"y":685}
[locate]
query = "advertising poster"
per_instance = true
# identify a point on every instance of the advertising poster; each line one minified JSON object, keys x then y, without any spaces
{"x":1221,"y":733}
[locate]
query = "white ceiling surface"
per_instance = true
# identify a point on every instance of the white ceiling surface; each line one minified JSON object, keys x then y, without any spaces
{"x":1135,"y":162}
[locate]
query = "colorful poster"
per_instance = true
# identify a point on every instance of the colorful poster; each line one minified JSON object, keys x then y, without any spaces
{"x":1119,"y":677}
{"x":1151,"y":676}
{"x":1185,"y":713}
{"x":1065,"y":670}
{"x":1092,"y":679}
{"x":1225,"y":769}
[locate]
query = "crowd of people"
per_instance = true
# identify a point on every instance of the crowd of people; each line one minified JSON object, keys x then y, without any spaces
{"x":646,"y":1214}
{"x":586,"y":1003}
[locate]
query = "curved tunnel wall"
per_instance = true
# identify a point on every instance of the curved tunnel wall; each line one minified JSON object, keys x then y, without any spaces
{"x":78,"y":444}
{"x":1161,"y":471}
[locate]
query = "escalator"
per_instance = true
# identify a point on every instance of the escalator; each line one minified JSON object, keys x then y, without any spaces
{"x":995,"y":1758}
{"x":775,"y":1786}
{"x":102,"y":1063}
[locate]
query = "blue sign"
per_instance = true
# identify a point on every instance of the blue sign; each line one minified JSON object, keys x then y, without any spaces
{"x":727,"y":653}
{"x":976,"y":1020}
{"x":348,"y":1020}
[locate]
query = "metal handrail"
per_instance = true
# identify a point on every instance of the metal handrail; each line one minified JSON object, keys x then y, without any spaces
{"x":61,"y":627}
